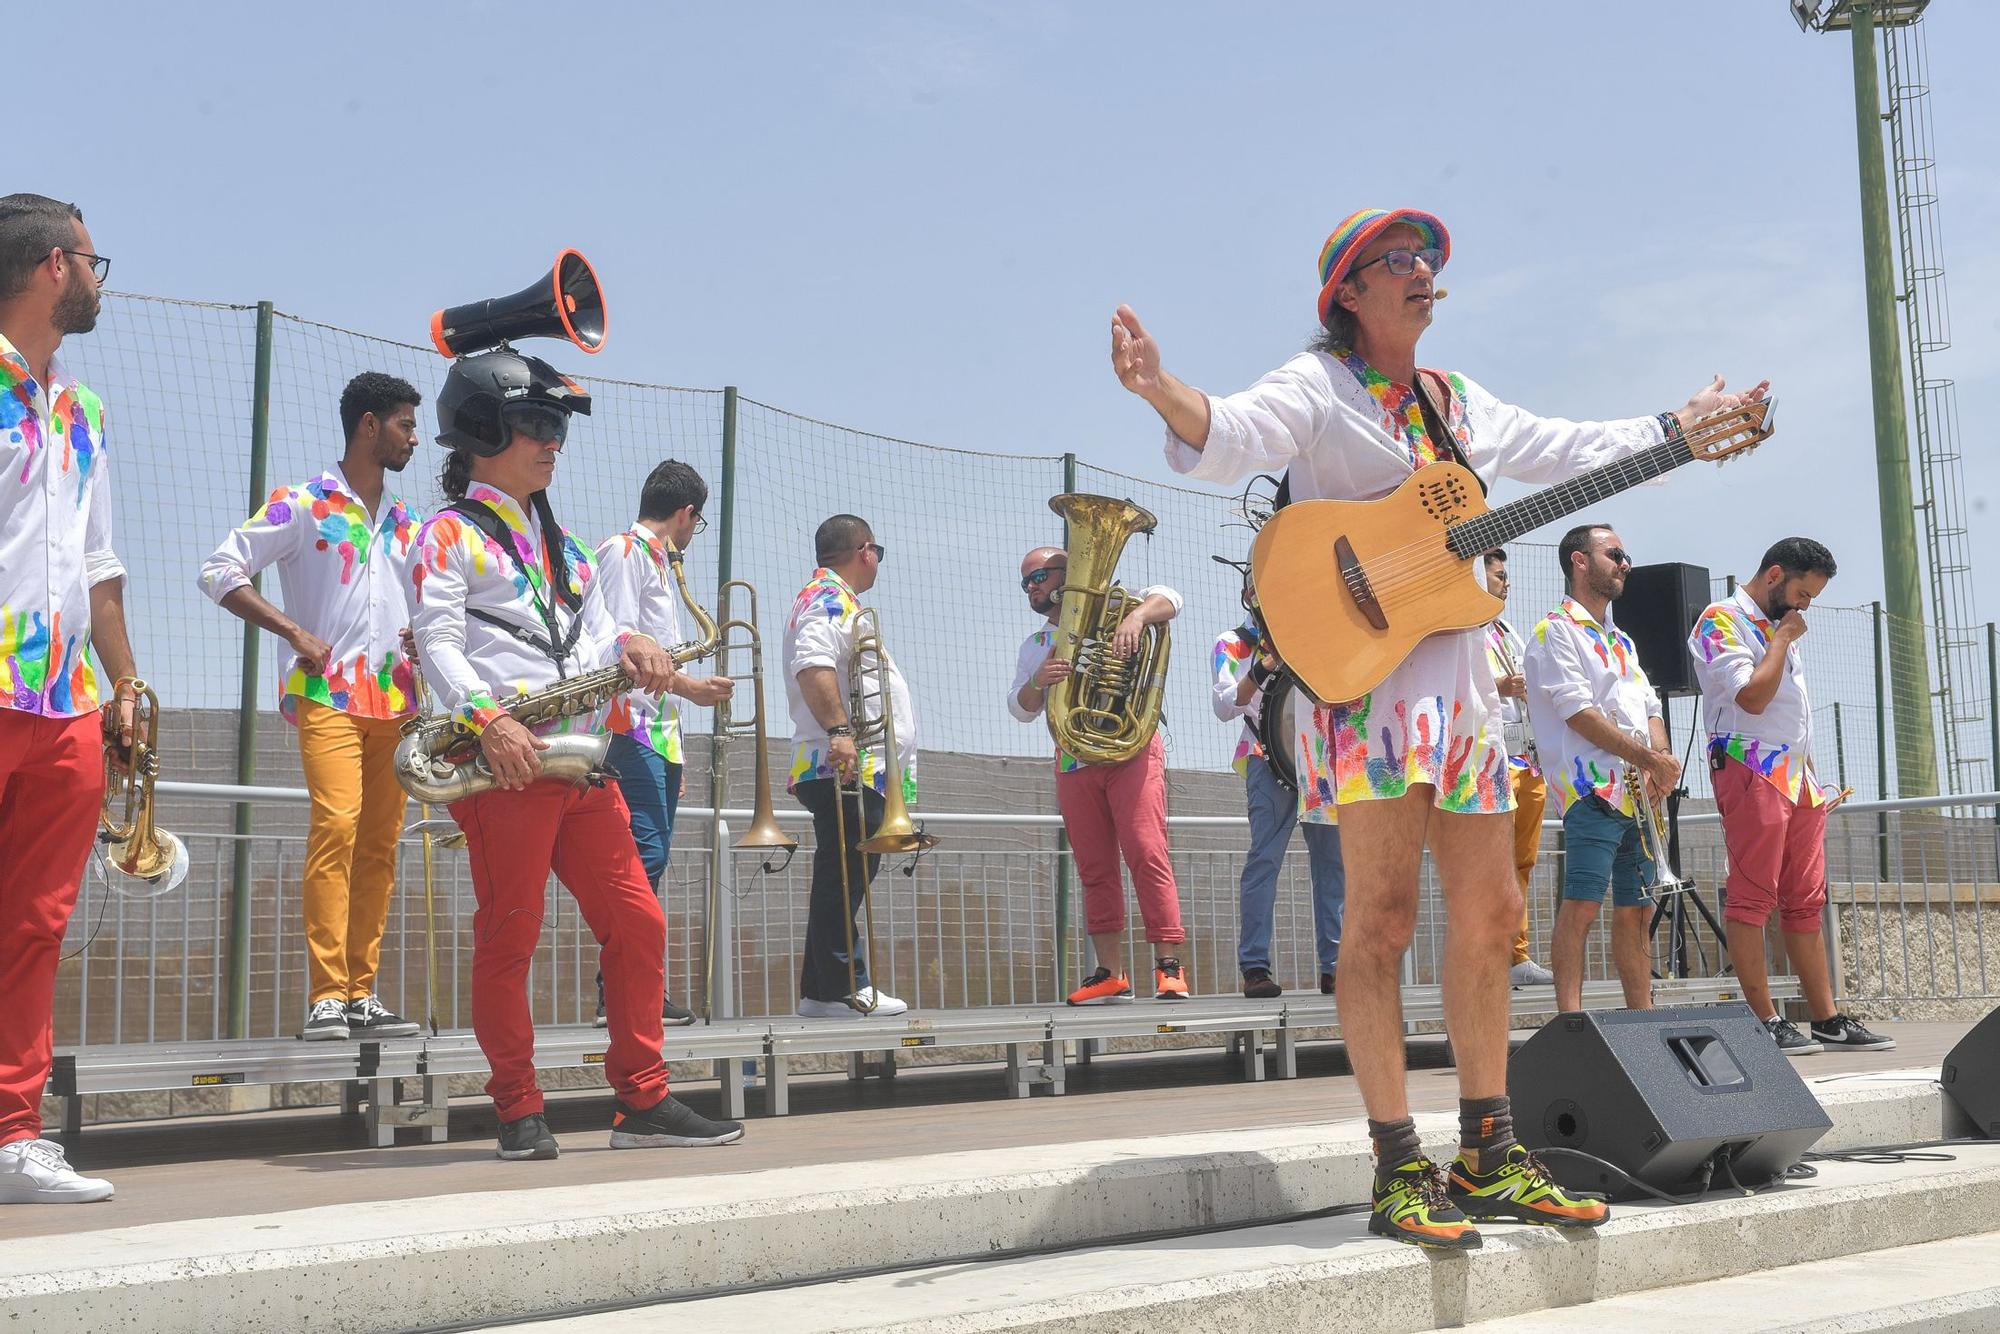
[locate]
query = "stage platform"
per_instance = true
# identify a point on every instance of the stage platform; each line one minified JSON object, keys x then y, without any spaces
{"x":245,"y":1222}
{"x":400,"y":1083}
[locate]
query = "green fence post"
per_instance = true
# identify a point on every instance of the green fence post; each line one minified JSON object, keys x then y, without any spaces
{"x":1062,"y":834}
{"x":1839,"y":746}
{"x":1993,"y":730}
{"x":1881,"y":747}
{"x":718,"y":748}
{"x":246,"y":709}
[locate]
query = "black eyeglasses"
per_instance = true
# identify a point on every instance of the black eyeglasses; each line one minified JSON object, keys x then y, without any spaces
{"x":700,"y":525}
{"x":1036,"y":578}
{"x":1403,"y":263}
{"x":881,"y":552}
{"x":1617,"y":556}
{"x":100,"y":267}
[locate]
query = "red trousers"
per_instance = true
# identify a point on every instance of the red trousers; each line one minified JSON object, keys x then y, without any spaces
{"x":1114,"y":808}
{"x":51,"y":787}
{"x":584,"y":835}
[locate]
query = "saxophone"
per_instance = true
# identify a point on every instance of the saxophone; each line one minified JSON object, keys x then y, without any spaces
{"x":439,"y":761}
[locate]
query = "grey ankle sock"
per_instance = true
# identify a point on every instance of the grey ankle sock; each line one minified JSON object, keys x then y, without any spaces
{"x":1485,"y":1130}
{"x":1396,"y":1143}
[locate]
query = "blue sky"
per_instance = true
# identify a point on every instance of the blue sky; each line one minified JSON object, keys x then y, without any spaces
{"x":917,"y":218}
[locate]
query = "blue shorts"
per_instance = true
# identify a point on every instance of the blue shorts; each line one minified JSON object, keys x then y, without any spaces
{"x":1600,"y":849}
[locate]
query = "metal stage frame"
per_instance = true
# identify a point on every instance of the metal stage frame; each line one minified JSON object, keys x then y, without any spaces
{"x":402,"y":1083}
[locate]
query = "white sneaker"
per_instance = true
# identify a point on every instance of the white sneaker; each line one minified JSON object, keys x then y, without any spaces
{"x":34,"y":1171}
{"x":883,"y":1003}
{"x":1528,"y":973}
{"x":819,"y":1009}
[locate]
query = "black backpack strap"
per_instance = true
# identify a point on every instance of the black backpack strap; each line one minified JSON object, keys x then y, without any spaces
{"x":558,"y":647}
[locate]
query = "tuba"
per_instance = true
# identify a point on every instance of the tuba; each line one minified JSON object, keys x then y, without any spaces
{"x":149,"y":860}
{"x":1108,"y":708}
{"x":438,"y":761}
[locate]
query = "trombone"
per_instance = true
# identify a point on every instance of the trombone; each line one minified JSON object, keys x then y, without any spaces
{"x":1653,"y":842}
{"x":763,"y":831}
{"x":868,"y":685}
{"x":150,"y":861}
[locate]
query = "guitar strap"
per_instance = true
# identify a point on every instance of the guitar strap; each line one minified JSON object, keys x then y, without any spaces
{"x":1430,"y":389}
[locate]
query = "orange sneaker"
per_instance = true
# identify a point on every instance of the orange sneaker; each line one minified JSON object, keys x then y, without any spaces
{"x":1169,"y":982}
{"x":1101,"y":988}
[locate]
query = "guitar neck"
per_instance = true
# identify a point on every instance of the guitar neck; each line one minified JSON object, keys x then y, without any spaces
{"x":1498,"y":527}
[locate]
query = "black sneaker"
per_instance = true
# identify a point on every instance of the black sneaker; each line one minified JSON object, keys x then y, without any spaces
{"x":600,"y":1021}
{"x":528,"y":1137}
{"x":1846,"y":1032}
{"x":369,"y":1018}
{"x":326,"y":1021}
{"x":1326,"y":984}
{"x":669,"y":1124}
{"x":673,"y":1016}
{"x":1258,"y":984}
{"x":1790,"y":1041}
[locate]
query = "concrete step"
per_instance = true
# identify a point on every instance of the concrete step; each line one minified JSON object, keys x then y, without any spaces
{"x":1941,"y":1287}
{"x":1330,"y":1274}
{"x":439,"y":1259}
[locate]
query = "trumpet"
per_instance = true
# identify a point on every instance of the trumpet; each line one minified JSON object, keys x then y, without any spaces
{"x":142,"y":853}
{"x":871,"y":712}
{"x":1653,"y":843}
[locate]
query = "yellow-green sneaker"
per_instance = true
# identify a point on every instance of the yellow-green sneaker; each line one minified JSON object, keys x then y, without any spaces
{"x":1520,"y":1188}
{"x":1411,"y":1205}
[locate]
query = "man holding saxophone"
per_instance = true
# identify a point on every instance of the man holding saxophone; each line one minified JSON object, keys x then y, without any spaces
{"x":1598,"y":722}
{"x":1107,"y":808}
{"x":499,"y":608}
{"x":62,"y":594}
{"x":633,"y":579}
{"x":832,"y":664}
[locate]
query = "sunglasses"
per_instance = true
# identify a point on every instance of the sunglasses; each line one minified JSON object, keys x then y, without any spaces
{"x":881,"y":552}
{"x":1036,"y":578}
{"x":537,"y":421}
{"x":1403,"y":263}
{"x":1617,"y":556}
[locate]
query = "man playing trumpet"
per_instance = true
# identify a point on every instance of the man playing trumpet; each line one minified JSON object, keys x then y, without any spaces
{"x":62,"y":594}
{"x":1597,"y":721}
{"x":500,"y":609}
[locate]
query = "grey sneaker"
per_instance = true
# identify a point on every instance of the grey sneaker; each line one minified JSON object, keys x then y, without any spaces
{"x":527,"y":1138}
{"x":1790,"y":1041}
{"x":1528,"y":973}
{"x":326,"y":1021}
{"x":1846,"y":1032}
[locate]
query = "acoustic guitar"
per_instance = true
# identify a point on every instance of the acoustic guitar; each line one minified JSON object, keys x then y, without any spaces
{"x":1348,"y":588}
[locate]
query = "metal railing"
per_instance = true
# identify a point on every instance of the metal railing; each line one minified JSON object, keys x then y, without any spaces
{"x":1913,"y":888}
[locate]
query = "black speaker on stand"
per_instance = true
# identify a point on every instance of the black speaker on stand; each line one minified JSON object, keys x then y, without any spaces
{"x":1658,"y":609}
{"x":1661,"y":1094}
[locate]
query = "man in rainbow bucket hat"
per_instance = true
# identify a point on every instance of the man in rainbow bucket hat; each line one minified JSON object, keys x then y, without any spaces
{"x":1421,"y":758}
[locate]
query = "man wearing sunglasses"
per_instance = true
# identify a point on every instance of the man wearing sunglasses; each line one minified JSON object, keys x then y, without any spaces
{"x":342,"y":542}
{"x":500,"y":606}
{"x":1108,"y":809}
{"x":640,"y":591}
{"x":1596,"y":717}
{"x":1420,"y":760}
{"x":828,"y":768}
{"x":63,"y":653}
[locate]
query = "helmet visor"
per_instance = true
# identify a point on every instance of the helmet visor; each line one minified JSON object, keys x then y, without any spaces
{"x":537,"y":421}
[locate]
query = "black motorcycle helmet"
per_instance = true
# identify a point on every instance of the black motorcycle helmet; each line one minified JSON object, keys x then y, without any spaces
{"x":478,"y":388}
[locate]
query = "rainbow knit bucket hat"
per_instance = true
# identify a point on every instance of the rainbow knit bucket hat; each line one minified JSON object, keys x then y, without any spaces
{"x":1355,"y":232}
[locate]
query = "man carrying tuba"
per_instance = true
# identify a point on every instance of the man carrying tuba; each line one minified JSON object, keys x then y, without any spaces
{"x":638,"y":577}
{"x":845,"y":785}
{"x":62,"y":594}
{"x":499,"y":609}
{"x":1109,"y":807}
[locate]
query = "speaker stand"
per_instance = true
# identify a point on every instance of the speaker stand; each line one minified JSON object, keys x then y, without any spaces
{"x":1673,"y":908}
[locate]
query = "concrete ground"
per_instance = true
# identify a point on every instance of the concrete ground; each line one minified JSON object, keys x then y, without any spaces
{"x":274,"y":1161}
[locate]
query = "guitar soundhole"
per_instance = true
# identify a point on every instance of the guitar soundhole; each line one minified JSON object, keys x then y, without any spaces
{"x":1443,"y":499}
